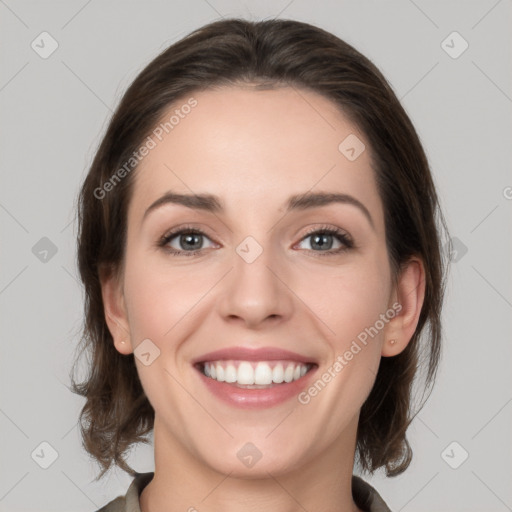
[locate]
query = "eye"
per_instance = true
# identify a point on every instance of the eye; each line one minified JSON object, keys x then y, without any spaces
{"x":186,"y":241}
{"x":321,"y":240}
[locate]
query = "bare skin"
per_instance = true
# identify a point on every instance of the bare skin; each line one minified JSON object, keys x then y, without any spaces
{"x":254,"y":149}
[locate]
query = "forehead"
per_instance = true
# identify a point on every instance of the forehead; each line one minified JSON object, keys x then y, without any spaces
{"x":252,"y":146}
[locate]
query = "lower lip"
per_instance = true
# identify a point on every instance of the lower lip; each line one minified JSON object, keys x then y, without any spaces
{"x":256,"y":398}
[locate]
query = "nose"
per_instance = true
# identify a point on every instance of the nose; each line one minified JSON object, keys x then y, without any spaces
{"x":255,"y":293}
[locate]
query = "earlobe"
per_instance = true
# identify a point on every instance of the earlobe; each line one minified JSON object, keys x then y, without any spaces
{"x":115,"y":312}
{"x":410,"y":295}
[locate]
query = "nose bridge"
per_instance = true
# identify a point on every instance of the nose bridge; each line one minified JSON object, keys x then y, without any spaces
{"x":254,"y":289}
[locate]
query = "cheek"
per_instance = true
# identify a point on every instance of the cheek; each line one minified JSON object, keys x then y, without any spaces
{"x":351,"y":299}
{"x":354,"y":301}
{"x":156,"y":299}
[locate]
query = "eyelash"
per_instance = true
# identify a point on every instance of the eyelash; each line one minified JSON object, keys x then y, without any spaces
{"x":342,"y":237}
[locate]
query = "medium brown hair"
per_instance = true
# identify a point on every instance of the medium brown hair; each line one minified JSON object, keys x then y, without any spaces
{"x":278,"y":52}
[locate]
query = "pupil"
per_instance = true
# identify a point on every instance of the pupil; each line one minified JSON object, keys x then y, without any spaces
{"x":189,"y":239}
{"x":319,"y":241}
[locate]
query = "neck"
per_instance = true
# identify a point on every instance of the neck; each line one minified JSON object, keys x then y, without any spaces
{"x":183,"y":482}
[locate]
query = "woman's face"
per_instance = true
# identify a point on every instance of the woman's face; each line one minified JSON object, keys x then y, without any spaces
{"x":267,"y":294}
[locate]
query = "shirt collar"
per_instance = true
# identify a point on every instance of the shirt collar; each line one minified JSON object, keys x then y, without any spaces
{"x":365,"y":496}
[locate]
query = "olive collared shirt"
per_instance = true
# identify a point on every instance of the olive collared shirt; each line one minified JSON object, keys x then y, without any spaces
{"x":365,"y":496}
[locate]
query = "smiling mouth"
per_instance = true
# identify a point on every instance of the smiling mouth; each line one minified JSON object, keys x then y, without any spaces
{"x":254,"y":374}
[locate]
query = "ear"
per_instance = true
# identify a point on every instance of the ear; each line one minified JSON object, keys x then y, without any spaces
{"x":410,"y":294}
{"x":115,"y":310}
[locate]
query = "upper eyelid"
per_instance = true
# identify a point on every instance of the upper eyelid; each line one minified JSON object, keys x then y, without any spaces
{"x":189,"y":228}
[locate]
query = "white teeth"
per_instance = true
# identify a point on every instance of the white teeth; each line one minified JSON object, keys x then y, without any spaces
{"x":288,"y":373}
{"x":220,"y":373}
{"x":262,"y":374}
{"x":278,"y":373}
{"x":231,"y":373}
{"x":245,"y":374}
{"x":259,"y":374}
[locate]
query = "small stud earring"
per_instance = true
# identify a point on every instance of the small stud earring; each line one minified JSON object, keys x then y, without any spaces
{"x":392,"y":342}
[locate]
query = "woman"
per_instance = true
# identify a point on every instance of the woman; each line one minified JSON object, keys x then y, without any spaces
{"x":259,"y":240}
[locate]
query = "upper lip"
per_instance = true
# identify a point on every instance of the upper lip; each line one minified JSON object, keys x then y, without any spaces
{"x":252,"y":354}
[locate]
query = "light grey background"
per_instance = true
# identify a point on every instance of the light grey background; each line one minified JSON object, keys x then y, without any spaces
{"x":53,"y":114}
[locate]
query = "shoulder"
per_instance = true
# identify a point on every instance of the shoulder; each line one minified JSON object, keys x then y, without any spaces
{"x":366,"y":497}
{"x":130,"y":501}
{"x":117,"y":505}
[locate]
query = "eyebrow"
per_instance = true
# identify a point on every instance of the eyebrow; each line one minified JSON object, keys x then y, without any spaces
{"x":213,"y":204}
